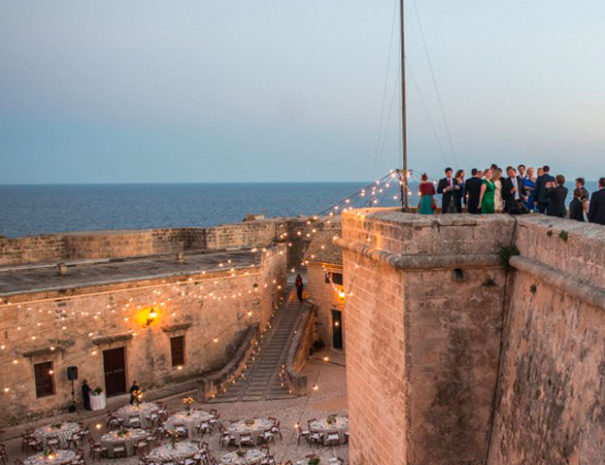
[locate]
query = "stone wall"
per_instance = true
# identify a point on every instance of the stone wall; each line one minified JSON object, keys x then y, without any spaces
{"x":212,"y":310}
{"x":326,"y":298}
{"x":551,"y":395}
{"x":423,"y":331}
{"x":129,"y":243}
{"x":454,"y":359}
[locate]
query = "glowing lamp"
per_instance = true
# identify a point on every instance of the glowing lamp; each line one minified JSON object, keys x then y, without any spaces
{"x":152,"y":316}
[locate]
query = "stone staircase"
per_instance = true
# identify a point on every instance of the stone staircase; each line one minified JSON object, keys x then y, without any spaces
{"x":261,"y":379}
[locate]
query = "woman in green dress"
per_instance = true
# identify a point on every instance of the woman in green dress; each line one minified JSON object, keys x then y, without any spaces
{"x":486,"y":199}
{"x":427,"y":191}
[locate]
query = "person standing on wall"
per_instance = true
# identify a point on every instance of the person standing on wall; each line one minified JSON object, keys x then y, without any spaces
{"x":541,"y":199}
{"x":86,"y":394}
{"x":576,"y":207}
{"x":299,"y":287}
{"x":427,"y":191}
{"x":596,"y":209}
{"x":472,"y":191}
{"x":447,"y":186}
{"x":513,"y":191}
{"x":486,"y":200}
{"x":556,"y":194}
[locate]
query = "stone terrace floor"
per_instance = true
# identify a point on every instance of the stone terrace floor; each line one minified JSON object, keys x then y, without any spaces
{"x":44,"y":277}
{"x":329,"y":398}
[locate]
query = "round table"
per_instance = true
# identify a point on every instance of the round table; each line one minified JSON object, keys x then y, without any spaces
{"x":143,"y":411}
{"x":322,"y":461}
{"x":190,"y":421}
{"x":248,"y":457}
{"x":255,"y":429}
{"x":128,"y":437}
{"x":182,"y":450}
{"x":58,"y":457}
{"x":61,"y":431}
{"x":98,"y":401}
{"x":339,"y":425}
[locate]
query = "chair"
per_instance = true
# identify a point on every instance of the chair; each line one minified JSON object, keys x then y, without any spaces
{"x":134,"y":421}
{"x":52,"y":443}
{"x":203,"y":428}
{"x":113,"y":422}
{"x":29,"y":442}
{"x":215,"y":418}
{"x":3,"y":456}
{"x":266,"y":437}
{"x":97,"y":451}
{"x":276,"y":430}
{"x":141,"y":447}
{"x":225,"y":438}
{"x":332,"y":438}
{"x":245,"y":439}
{"x":301,"y":433}
{"x":181,"y":430}
{"x":118,"y":450}
{"x":315,"y":437}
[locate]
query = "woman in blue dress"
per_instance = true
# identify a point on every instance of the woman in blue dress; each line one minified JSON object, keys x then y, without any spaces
{"x":530,"y":186}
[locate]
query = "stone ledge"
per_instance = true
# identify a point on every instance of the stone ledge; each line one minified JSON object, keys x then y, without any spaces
{"x":111,"y":339}
{"x":176,"y":327}
{"x":420,"y":262}
{"x":566,"y":282}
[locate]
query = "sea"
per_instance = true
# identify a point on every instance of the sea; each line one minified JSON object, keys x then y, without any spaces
{"x":27,"y":210}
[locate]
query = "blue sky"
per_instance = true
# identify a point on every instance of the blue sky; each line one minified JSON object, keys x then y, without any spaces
{"x":284,"y":90}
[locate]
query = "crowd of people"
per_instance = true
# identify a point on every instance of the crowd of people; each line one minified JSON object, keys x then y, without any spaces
{"x":515,"y":191}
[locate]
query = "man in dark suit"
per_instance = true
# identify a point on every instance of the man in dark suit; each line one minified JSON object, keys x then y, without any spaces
{"x":596,"y":209}
{"x":446,"y":187}
{"x":540,"y":198}
{"x":472,"y":191}
{"x":513,"y":190}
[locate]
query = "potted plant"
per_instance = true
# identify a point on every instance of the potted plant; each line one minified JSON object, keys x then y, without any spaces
{"x":97,"y":391}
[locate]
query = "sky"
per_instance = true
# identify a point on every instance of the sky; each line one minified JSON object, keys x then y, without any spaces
{"x":285,"y":90}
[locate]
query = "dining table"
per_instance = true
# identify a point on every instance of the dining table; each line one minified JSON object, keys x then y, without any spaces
{"x":143,"y":410}
{"x":242,"y":457}
{"x":331,"y":425}
{"x":189,"y":419}
{"x":128,"y":437}
{"x":63,"y":432}
{"x":255,"y":427}
{"x":57,"y":457}
{"x":174,"y":452}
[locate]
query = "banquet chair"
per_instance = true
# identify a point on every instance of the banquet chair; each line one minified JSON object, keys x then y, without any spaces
{"x":268,"y":460}
{"x":118,"y":450}
{"x":225,"y":438}
{"x":113,"y":422}
{"x":52,"y":443}
{"x":332,"y":438}
{"x":215,"y":418}
{"x":3,"y":456}
{"x":245,"y":439}
{"x":266,"y":437}
{"x":141,"y":447}
{"x":181,"y":430}
{"x":134,"y":421}
{"x":276,"y":429}
{"x":29,"y":442}
{"x":97,"y":451}
{"x":315,"y":437}
{"x":340,"y":461}
{"x":301,"y":433}
{"x":203,"y":428}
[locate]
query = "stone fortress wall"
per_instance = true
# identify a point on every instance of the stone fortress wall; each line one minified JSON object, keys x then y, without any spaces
{"x":453,"y":358}
{"x":73,"y":324}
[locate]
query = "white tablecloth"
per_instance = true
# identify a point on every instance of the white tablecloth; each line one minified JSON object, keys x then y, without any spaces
{"x":340,"y":426}
{"x":322,"y":461}
{"x":130,"y":439}
{"x":98,"y":402}
{"x":255,"y":429}
{"x":59,"y":457}
{"x":249,"y":457}
{"x":166,"y":453}
{"x":190,"y":421}
{"x":142,"y":411}
{"x":63,"y":433}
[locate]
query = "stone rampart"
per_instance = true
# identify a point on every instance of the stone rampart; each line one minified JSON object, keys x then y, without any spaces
{"x":453,"y":358}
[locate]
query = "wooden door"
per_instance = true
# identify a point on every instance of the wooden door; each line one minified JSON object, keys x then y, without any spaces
{"x":337,"y":329}
{"x":114,"y":362}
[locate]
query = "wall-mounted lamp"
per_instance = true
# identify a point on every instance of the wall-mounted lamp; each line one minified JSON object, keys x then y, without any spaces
{"x":152,"y":316}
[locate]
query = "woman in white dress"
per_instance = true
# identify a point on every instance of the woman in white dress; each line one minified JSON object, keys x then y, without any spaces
{"x":498,"y":204}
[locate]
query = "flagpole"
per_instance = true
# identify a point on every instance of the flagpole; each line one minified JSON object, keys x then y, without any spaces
{"x":404,"y":133}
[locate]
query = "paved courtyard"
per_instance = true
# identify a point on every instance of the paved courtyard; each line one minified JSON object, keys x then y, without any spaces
{"x":328,"y":397}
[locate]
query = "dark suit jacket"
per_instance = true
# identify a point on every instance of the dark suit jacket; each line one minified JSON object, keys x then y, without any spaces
{"x":508,"y":195}
{"x":596,"y":210}
{"x":447,"y":196}
{"x":556,"y":203}
{"x":576,"y":210}
{"x":541,"y":187}
{"x":472,"y":190}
